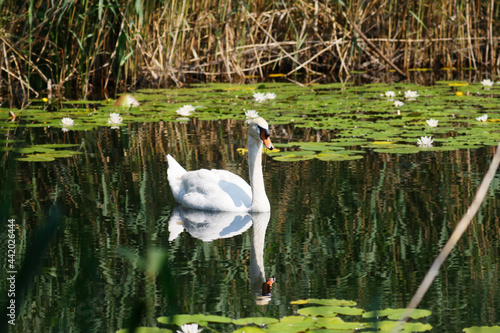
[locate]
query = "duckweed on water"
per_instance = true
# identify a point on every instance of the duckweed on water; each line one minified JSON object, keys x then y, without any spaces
{"x":359,"y":117}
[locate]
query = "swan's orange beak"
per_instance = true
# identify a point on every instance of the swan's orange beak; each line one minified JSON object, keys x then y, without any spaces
{"x":266,"y":139}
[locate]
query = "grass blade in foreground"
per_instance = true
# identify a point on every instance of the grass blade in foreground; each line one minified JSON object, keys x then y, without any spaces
{"x":455,"y":236}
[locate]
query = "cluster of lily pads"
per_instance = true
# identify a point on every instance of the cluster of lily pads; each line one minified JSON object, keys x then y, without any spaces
{"x":325,"y":315}
{"x":321,"y":314}
{"x":446,"y":116}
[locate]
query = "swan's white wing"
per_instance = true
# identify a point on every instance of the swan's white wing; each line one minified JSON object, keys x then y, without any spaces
{"x":175,"y":172}
{"x":217,"y":190}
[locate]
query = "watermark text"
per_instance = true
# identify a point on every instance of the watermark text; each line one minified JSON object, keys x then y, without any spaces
{"x":11,"y":272}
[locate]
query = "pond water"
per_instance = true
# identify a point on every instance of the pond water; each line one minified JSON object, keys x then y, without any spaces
{"x":104,"y":245}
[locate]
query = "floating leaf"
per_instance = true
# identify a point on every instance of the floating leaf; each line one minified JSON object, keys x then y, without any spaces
{"x":336,"y":302}
{"x":217,"y":319}
{"x":199,"y":319}
{"x":387,"y":326}
{"x":37,"y":158}
{"x":58,"y":145}
{"x":288,"y":156}
{"x":34,"y":149}
{"x":250,"y":329}
{"x":316,"y":146}
{"x":293,"y":324}
{"x":329,"y":311}
{"x":255,"y":321}
{"x":145,"y":330}
{"x":482,"y":329}
{"x":337,"y":323}
{"x":395,"y":314}
{"x":331,"y":156}
{"x":400,"y":150}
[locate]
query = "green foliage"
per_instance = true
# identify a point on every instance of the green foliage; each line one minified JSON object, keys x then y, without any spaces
{"x":145,"y":330}
{"x":45,"y":153}
{"x":395,"y":314}
{"x":92,"y":46}
{"x":255,"y":321}
{"x":351,"y":117}
{"x":324,"y":318}
{"x":200,"y":319}
{"x":482,"y":329}
{"x":331,"y":302}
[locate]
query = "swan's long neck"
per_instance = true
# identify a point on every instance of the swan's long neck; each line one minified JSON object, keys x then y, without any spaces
{"x":260,"y":202}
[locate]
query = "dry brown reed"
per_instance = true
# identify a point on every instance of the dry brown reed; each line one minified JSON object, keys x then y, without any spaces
{"x":99,"y":46}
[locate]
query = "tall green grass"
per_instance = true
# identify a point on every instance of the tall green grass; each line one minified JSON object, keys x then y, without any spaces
{"x":99,"y":46}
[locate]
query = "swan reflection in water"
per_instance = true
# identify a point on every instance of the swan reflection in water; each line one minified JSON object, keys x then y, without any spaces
{"x":208,"y":226}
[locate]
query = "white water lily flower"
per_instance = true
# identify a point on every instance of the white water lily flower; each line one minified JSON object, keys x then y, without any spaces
{"x":189,"y":107}
{"x":425,"y":141}
{"x":390,"y":94}
{"x":398,"y":104}
{"x":190,"y":328}
{"x":487,"y":83}
{"x":114,"y":119}
{"x":411,"y":94}
{"x":185,"y":111}
{"x":251,"y":114}
{"x":270,"y":96}
{"x":484,"y":117}
{"x":432,"y":122}
{"x":259,"y":97}
{"x":66,"y":121}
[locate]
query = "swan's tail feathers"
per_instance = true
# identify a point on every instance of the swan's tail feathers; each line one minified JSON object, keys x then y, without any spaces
{"x":174,"y":173}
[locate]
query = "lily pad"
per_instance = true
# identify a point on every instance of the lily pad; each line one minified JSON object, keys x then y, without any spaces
{"x":37,"y":158}
{"x":249,"y":329}
{"x":387,"y":326}
{"x":482,"y":329}
{"x":339,"y":115}
{"x":199,"y":319}
{"x":288,"y":156}
{"x":332,"y":156}
{"x":395,"y":314}
{"x":145,"y":330}
{"x":316,"y":146}
{"x":293,"y":324}
{"x":337,"y":323}
{"x":51,"y":155}
{"x":329,"y":311}
{"x":255,"y":321}
{"x":336,"y":302}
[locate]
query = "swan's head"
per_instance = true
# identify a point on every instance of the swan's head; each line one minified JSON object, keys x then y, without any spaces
{"x":259,"y":130}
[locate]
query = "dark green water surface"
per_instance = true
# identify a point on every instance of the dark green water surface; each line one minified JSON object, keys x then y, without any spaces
{"x":100,"y":252}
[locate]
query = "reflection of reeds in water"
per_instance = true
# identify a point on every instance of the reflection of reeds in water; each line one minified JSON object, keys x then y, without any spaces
{"x":90,"y":47}
{"x":340,"y":226}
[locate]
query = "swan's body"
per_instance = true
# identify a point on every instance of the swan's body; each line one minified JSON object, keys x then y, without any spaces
{"x":221,"y":190}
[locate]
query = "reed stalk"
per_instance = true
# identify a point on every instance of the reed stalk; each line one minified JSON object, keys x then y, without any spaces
{"x":95,"y":48}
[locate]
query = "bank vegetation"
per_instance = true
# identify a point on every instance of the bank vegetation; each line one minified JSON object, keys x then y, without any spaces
{"x":104,"y":46}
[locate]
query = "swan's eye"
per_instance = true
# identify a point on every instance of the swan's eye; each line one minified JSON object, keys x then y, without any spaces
{"x":264,"y":133}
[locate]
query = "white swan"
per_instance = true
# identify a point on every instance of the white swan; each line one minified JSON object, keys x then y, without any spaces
{"x":221,"y":190}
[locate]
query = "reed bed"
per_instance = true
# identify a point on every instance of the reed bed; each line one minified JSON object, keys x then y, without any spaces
{"x":90,"y":46}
